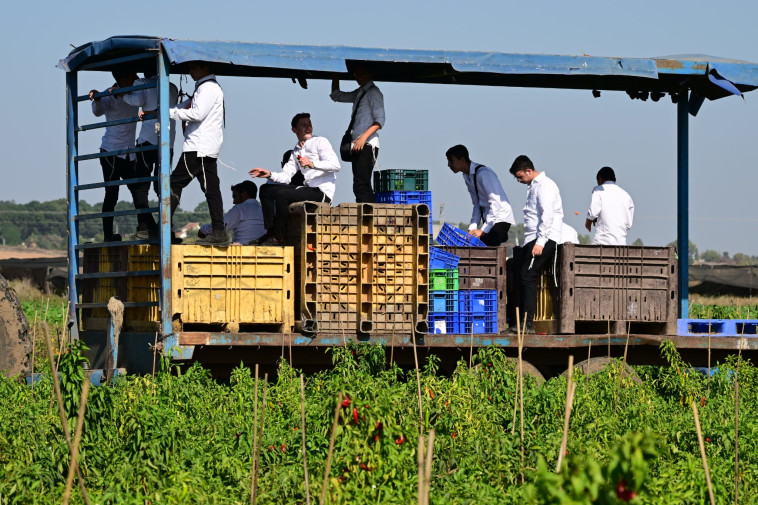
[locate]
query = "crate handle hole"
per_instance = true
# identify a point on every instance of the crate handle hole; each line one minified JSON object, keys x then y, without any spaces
{"x":571,"y":266}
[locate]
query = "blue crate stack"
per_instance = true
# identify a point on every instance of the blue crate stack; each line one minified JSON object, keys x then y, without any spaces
{"x":443,"y":303}
{"x":459,"y":311}
{"x":454,"y":236}
{"x":404,"y":187}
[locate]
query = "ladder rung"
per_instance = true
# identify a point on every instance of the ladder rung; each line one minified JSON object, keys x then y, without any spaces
{"x":124,"y":182}
{"x":92,"y":245}
{"x":117,"y":91}
{"x":103,"y":305}
{"x":116,"y":213}
{"x":105,"y":275}
{"x":126,"y":120}
{"x":94,"y":156}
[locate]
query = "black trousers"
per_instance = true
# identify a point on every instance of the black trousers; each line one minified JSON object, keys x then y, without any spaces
{"x":529,"y":276}
{"x":363,"y":166}
{"x":114,"y":169}
{"x":497,"y":235}
{"x":275,"y":202}
{"x":189,"y":167}
{"x":149,"y":162}
{"x":146,"y":162}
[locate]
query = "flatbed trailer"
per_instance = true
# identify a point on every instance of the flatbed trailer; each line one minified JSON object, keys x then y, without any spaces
{"x":689,"y":81}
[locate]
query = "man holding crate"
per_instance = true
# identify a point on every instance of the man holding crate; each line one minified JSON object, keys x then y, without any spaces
{"x":491,"y":206}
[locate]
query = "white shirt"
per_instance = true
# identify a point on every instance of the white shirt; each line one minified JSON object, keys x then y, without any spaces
{"x":370,"y":109}
{"x":614,"y":210}
{"x":493,"y":207}
{"x":244,"y":220}
{"x":325,"y":161}
{"x":148,"y":100}
{"x":569,"y":235}
{"x":119,"y":136}
{"x":204,"y":113}
{"x":543,"y":212}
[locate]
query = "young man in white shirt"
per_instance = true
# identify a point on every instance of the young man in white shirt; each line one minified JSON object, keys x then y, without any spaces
{"x":316,"y":160}
{"x":611,"y":210}
{"x":368,"y":114}
{"x":116,"y":138}
{"x":245,"y":219}
{"x":147,"y":161}
{"x":203,"y":114}
{"x":543,"y":225}
{"x":491,"y":206}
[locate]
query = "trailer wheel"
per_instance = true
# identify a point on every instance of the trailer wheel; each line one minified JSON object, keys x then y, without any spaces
{"x":594,"y":365}
{"x":15,"y":343}
{"x":529,"y":369}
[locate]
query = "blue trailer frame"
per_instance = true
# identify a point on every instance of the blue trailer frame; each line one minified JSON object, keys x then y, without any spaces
{"x":690,"y":80}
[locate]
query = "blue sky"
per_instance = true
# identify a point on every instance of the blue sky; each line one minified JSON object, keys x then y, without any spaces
{"x":568,"y":134}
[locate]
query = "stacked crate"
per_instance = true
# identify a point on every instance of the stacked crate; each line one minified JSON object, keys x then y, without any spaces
{"x":403,"y":187}
{"x":363,"y":268}
{"x":481,"y":281}
{"x":443,"y":294}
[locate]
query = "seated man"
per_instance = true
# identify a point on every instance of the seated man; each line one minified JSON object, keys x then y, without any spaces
{"x":316,"y":160}
{"x":245,"y":219}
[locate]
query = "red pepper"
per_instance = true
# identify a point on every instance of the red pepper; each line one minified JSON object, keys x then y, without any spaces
{"x":284,"y":447}
{"x":355,"y":415}
{"x":702,"y":402}
{"x":376,"y":438}
{"x":401,"y":440}
{"x":454,"y":434}
{"x":379,"y":426}
{"x":345,"y":403}
{"x":707,"y":439}
{"x":623,"y":492}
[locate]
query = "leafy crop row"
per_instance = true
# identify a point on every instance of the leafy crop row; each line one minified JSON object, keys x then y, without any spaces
{"x":184,"y":438}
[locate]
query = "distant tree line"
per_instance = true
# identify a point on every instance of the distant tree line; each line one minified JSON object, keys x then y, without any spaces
{"x":44,"y":224}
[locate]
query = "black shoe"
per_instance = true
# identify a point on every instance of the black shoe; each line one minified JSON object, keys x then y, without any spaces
{"x":218,"y":238}
{"x":113,"y":238}
{"x":176,"y":240}
{"x":260,"y":240}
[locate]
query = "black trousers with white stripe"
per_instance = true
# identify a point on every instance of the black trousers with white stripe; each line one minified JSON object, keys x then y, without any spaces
{"x":189,"y":167}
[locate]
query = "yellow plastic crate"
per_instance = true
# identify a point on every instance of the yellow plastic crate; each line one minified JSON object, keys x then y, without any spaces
{"x":235,"y":284}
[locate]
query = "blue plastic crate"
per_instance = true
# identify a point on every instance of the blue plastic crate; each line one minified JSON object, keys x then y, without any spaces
{"x":405,"y":197}
{"x":401,"y":180}
{"x":439,"y":259}
{"x":483,"y":322}
{"x":477,"y":301}
{"x":453,"y":236}
{"x":443,"y":301}
{"x":444,"y":322}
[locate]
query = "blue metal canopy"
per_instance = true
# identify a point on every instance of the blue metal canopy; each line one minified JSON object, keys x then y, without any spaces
{"x":709,"y":77}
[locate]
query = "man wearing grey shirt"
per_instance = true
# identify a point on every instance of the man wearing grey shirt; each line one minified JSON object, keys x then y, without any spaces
{"x":368,"y":108}
{"x":543,"y":229}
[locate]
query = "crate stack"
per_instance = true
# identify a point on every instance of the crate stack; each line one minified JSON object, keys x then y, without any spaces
{"x":363,"y":268}
{"x":403,"y":187}
{"x":444,"y":292}
{"x":479,"y":279}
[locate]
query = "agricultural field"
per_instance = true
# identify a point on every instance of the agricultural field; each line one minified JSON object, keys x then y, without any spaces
{"x":182,"y":437}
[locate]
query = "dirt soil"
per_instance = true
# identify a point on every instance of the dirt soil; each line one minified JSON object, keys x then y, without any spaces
{"x":8,"y":252}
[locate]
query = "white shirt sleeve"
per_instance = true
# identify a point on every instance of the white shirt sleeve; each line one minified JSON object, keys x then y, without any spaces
{"x":344,"y":96}
{"x":328,"y":160}
{"x":495,"y":206}
{"x":545,"y":203}
{"x":595,"y":205}
{"x":136,"y":98}
{"x":202,"y":103}
{"x":288,"y":171}
{"x":376,"y":104}
{"x":103,"y":105}
{"x":630,"y":215}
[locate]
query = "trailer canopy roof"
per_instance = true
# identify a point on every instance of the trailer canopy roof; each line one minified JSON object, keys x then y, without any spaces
{"x":709,"y":77}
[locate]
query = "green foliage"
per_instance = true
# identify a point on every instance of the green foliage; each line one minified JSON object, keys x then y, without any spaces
{"x":701,"y":311}
{"x":183,"y":437}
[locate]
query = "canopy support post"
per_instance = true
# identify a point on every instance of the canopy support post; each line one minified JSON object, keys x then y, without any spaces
{"x":683,"y":202}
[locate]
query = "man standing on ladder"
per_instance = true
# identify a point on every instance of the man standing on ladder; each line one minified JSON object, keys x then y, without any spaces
{"x":117,"y":137}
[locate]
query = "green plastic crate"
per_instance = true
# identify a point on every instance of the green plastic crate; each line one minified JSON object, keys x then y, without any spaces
{"x":401,"y":180}
{"x":443,"y":279}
